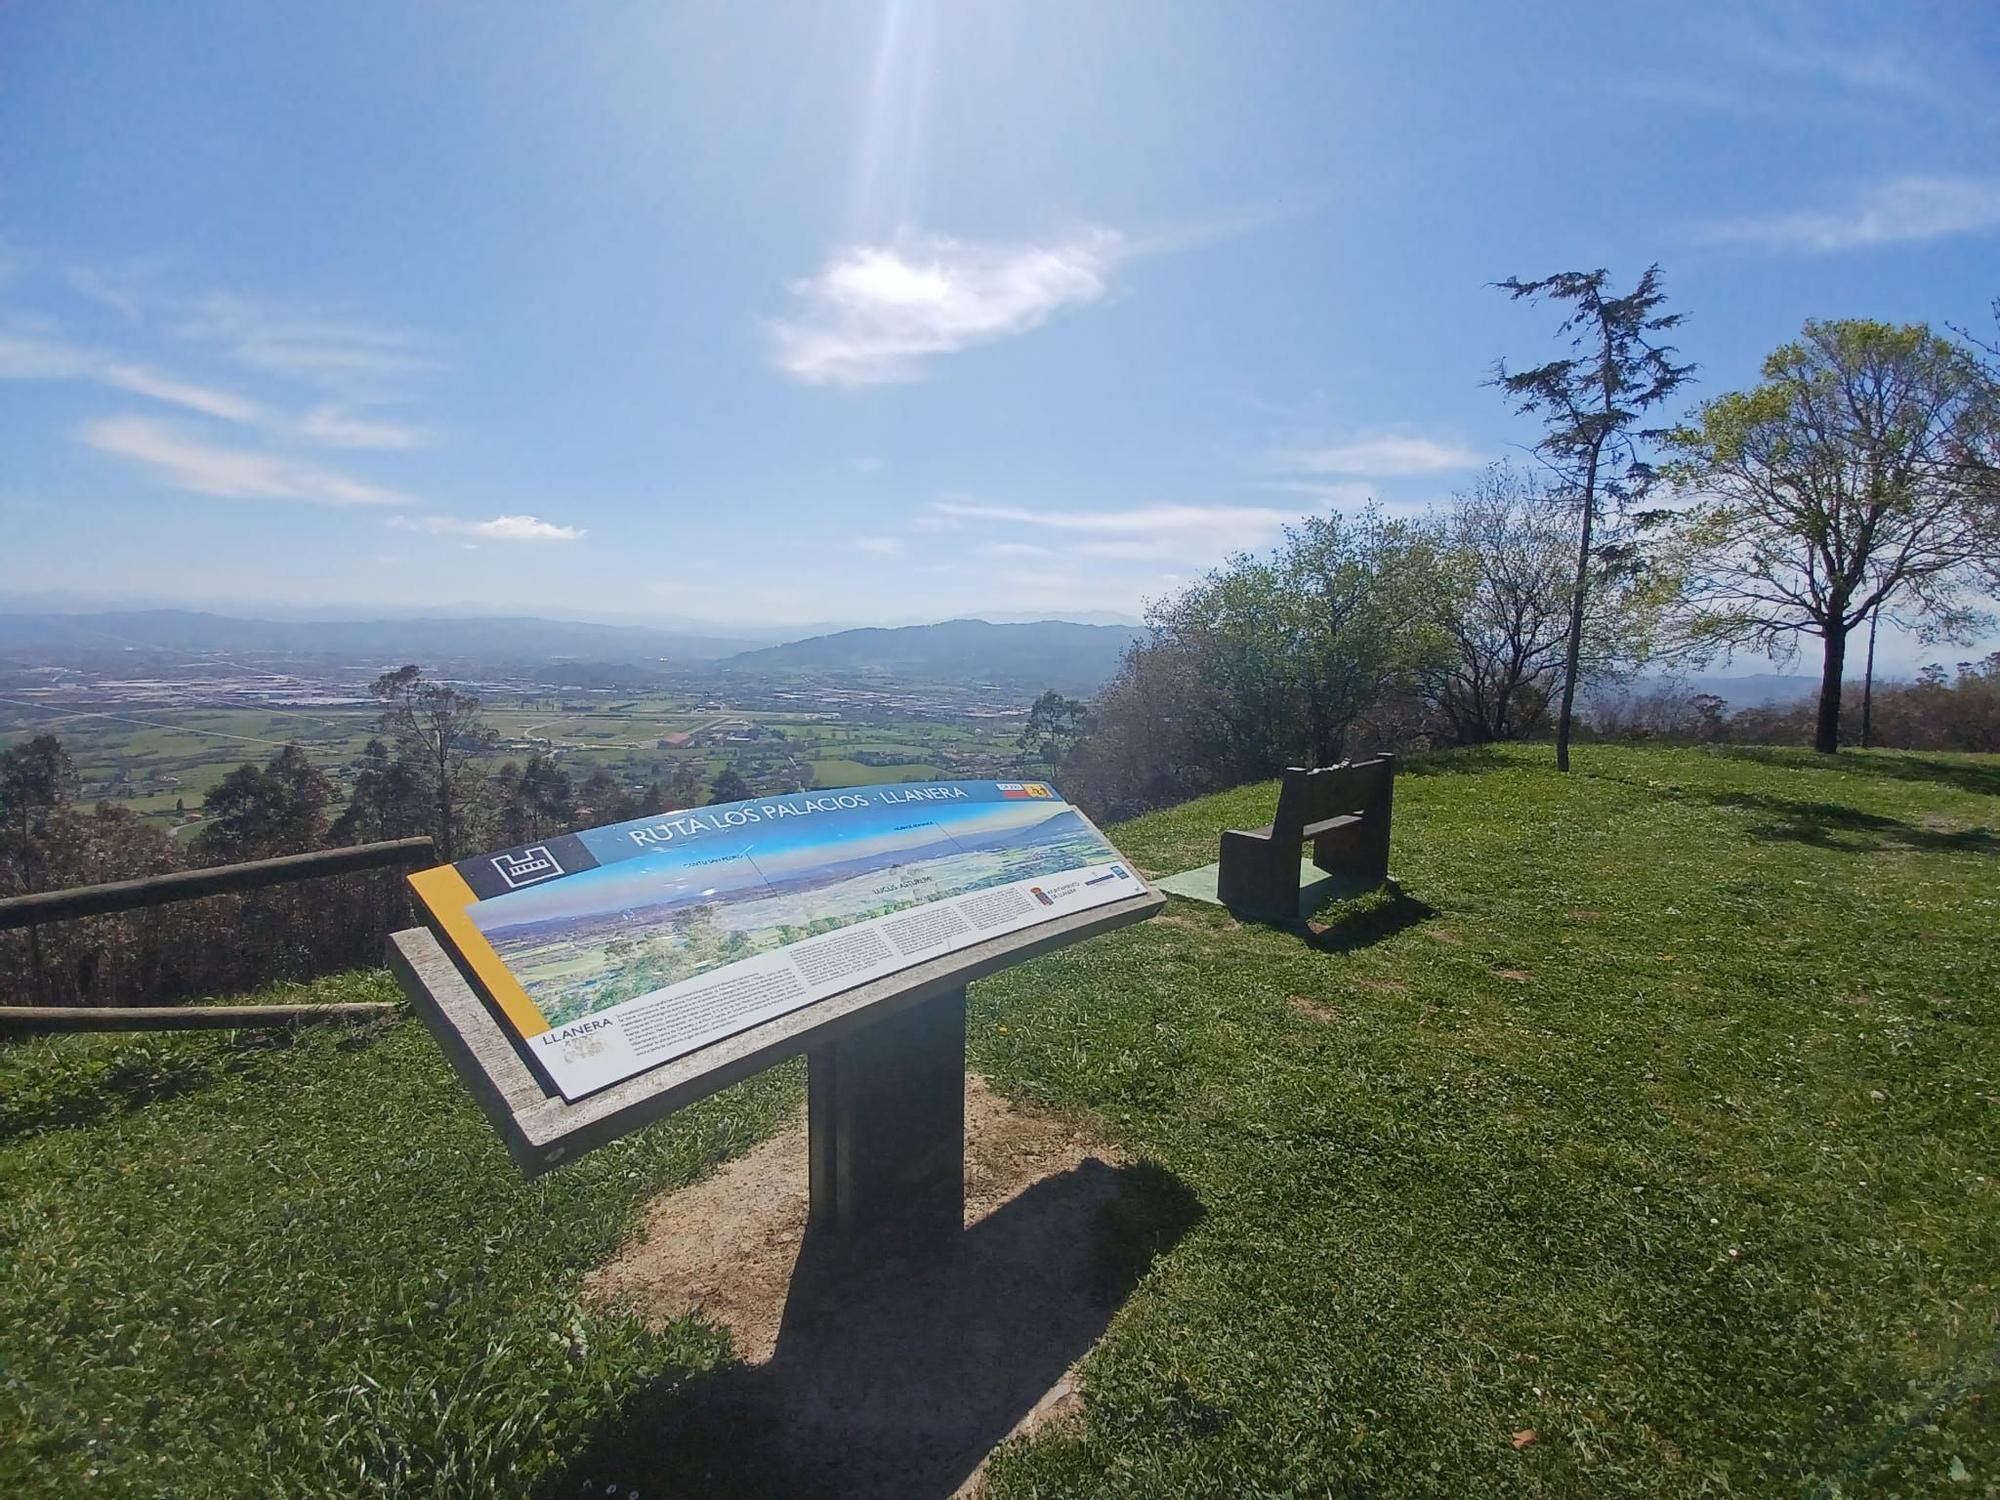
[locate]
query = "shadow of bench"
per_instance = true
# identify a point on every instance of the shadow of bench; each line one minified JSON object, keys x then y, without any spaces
{"x":1343,"y":811}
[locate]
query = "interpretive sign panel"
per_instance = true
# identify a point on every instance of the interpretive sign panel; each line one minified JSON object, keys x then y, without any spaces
{"x":614,"y":950}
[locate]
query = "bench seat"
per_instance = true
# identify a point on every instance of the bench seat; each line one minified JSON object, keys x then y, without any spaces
{"x":1342,"y":811}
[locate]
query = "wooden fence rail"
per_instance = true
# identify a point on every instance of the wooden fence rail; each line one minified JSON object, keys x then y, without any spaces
{"x":188,"y":885}
{"x":43,"y":1020}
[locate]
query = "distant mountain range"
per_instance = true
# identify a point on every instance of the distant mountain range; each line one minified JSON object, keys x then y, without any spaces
{"x":1075,"y":658}
{"x":1046,"y":653}
{"x":1753,"y":690}
{"x":1067,"y":655}
{"x":424,"y":638}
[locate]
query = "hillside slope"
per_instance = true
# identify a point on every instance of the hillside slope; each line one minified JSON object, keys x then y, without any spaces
{"x":1045,"y":654}
{"x":1655,"y":1118}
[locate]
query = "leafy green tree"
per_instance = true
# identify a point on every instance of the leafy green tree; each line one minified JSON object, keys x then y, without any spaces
{"x":38,"y":784}
{"x":1267,"y":662}
{"x":258,"y":812}
{"x":1977,"y":468}
{"x":438,"y":732}
{"x":682,"y":788}
{"x":388,"y":800}
{"x":1591,"y":404}
{"x":1849,"y":481}
{"x":602,"y":799}
{"x":1053,"y":727}
{"x":729,"y":786}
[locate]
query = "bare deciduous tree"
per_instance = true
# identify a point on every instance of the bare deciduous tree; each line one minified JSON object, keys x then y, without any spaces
{"x":1503,"y":601}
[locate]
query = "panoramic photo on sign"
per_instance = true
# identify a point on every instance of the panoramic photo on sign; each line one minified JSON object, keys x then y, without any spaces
{"x":616,"y":949}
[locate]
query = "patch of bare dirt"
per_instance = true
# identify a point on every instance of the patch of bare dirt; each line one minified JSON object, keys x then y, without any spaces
{"x":1518,"y":976}
{"x":1318,"y":1010}
{"x":872,"y":1366}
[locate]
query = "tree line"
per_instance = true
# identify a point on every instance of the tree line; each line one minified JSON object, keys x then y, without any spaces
{"x":1855,"y":482}
{"x":428,"y":771}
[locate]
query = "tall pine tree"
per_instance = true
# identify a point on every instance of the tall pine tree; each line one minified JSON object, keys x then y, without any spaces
{"x":1591,"y":404}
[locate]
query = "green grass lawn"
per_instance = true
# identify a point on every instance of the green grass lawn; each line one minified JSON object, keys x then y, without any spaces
{"x":1660,"y":1113}
{"x":838,"y":771}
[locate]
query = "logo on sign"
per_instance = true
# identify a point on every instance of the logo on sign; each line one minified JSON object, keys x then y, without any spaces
{"x":527,"y":867}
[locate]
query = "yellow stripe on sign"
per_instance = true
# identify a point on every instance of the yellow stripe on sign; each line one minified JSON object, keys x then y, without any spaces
{"x":444,"y":891}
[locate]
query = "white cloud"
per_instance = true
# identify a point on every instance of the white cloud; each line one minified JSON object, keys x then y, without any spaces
{"x":882,"y":546}
{"x":314,"y":348}
{"x":103,"y":290}
{"x":47,"y":359}
{"x":1865,"y":66}
{"x":499,"y":529}
{"x":1906,"y":210}
{"x":1155,"y":549}
{"x":877,"y":313}
{"x":204,"y":468}
{"x":1235,"y":522}
{"x":338,"y":427}
{"x":1381,"y":455}
{"x":1341,"y":492}
{"x":1014,"y":549}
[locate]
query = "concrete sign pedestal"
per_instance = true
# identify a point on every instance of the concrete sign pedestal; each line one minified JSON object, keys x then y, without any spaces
{"x":886,"y":1066}
{"x":885,"y":1122}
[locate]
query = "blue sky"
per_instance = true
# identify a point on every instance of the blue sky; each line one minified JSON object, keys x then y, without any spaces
{"x":886,"y":312}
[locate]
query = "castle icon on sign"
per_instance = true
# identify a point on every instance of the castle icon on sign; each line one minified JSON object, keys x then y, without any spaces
{"x":526,"y":868}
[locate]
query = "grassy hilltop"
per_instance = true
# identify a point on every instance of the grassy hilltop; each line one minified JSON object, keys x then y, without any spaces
{"x":1660,"y":1115}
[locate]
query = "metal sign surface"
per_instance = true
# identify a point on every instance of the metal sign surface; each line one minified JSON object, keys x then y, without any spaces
{"x":613,"y":951}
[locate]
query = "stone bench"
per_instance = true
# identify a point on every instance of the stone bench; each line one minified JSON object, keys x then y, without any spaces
{"x":1342,"y":811}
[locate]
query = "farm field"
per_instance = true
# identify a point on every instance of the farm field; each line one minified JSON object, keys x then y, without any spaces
{"x":1641,"y":1142}
{"x":161,"y":758}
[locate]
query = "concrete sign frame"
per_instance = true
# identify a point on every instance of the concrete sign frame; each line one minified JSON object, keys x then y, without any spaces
{"x":542,"y":1130}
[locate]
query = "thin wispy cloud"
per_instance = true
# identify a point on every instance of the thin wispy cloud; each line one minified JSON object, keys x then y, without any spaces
{"x":340,"y":427}
{"x":875,"y":314}
{"x":881,"y":546}
{"x":187,"y":462}
{"x":1868,"y":65}
{"x":1231,"y":522}
{"x":1151,"y":549}
{"x":1905,"y":211}
{"x":94,"y":285}
{"x":1381,"y":455}
{"x":1342,"y":492}
{"x":499,"y":529}
{"x":50,"y":359}
{"x":340,"y":355}
{"x":35,"y":358}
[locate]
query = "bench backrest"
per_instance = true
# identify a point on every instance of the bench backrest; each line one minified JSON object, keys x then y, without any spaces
{"x":1350,"y":787}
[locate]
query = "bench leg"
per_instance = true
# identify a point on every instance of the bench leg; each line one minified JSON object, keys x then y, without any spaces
{"x":1258,"y":880}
